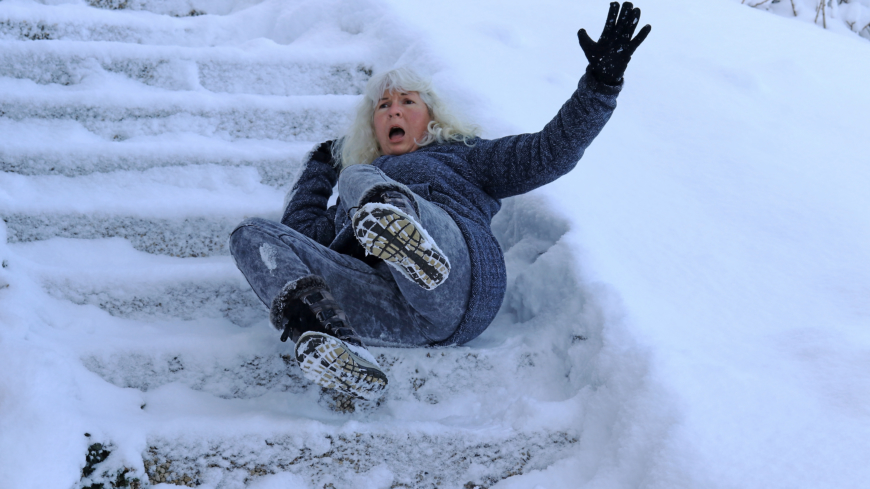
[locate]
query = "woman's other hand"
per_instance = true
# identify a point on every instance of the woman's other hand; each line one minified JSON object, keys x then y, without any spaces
{"x":323,"y":153}
{"x":609,"y":57}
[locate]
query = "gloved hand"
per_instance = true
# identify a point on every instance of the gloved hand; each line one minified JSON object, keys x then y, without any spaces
{"x":323,"y":153}
{"x":609,"y":57}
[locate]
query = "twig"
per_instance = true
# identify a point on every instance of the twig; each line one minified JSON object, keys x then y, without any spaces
{"x":794,"y":10}
{"x":762,"y":2}
{"x":818,"y":9}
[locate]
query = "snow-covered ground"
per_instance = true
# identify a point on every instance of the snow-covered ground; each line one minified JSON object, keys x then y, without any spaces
{"x":689,"y":307}
{"x":842,"y":15}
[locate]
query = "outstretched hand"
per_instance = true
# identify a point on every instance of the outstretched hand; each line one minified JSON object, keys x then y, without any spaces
{"x":609,"y":57}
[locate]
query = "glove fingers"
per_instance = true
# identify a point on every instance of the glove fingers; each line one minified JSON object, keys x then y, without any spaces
{"x":610,"y":25}
{"x":612,"y":14}
{"x":627,"y":8}
{"x":627,"y":22}
{"x":634,"y":19}
{"x":644,"y":31}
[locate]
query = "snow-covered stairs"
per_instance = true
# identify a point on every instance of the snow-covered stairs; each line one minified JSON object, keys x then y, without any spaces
{"x":132,"y":142}
{"x":263,"y":71}
{"x":180,"y":210}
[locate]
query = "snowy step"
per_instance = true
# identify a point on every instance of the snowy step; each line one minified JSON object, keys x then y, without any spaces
{"x":406,"y":456}
{"x":79,"y":22}
{"x":112,"y":275}
{"x":436,"y":382}
{"x":127,"y":283}
{"x":117,"y":114}
{"x":262,"y":68}
{"x":180,"y":211}
{"x":175,"y":8}
{"x":433,"y":428}
{"x":75,"y":151}
{"x":188,"y":237}
{"x":449,"y":416}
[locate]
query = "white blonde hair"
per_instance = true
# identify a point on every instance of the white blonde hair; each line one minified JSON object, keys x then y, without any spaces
{"x":360,"y":146}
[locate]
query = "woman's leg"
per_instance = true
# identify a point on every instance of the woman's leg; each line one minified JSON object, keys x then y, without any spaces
{"x":270,"y":255}
{"x":444,"y":306}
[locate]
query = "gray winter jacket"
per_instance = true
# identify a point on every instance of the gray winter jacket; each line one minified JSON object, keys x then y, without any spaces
{"x":468,"y":182}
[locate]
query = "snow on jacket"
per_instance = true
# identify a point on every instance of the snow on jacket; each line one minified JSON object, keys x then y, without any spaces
{"x":468,"y":182}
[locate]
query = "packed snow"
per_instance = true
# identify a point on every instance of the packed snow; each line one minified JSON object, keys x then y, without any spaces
{"x":687,"y":308}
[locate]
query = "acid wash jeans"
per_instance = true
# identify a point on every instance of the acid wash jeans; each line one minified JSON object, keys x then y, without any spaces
{"x":384,"y":307}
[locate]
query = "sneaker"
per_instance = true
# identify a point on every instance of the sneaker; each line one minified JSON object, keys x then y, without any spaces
{"x":340,"y":365}
{"x":327,"y":349}
{"x":390,"y":230}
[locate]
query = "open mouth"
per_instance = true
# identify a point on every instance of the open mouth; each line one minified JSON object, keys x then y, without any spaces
{"x":396,"y":134}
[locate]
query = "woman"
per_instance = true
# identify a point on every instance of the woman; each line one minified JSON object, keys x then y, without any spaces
{"x":406,"y":257}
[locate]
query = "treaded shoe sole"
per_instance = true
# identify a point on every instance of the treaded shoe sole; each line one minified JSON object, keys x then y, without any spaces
{"x":329,"y":362}
{"x":389,"y":234}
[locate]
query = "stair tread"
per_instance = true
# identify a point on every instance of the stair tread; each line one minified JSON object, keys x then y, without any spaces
{"x":120,"y":114}
{"x":159,"y":193}
{"x":76,"y":151}
{"x":262,"y":67}
{"x":80,"y":22}
{"x":155,"y":101}
{"x":113,"y":259}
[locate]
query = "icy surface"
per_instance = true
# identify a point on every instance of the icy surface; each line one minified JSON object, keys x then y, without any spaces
{"x":687,"y":308}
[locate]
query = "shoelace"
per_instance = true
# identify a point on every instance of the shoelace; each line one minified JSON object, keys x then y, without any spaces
{"x":394,"y":198}
{"x":400,"y":201}
{"x":325,"y":310}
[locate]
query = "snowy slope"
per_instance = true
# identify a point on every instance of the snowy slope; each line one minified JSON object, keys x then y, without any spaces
{"x":841,"y":15}
{"x":726,"y":204}
{"x":687,"y":308}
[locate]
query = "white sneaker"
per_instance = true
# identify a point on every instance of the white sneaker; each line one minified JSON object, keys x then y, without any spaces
{"x":335,"y":364}
{"x":397,"y":238}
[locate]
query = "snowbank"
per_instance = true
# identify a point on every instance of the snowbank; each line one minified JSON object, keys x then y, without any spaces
{"x":725,"y":204}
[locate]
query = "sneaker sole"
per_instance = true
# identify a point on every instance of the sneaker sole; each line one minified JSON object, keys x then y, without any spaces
{"x":329,"y":362}
{"x":387,"y":233}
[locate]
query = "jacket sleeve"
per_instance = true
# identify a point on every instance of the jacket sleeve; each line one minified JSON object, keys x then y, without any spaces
{"x":306,"y":210}
{"x":514,"y":165}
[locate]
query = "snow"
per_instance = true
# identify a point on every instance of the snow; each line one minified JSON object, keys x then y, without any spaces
{"x":687,"y":308}
{"x":842,"y":16}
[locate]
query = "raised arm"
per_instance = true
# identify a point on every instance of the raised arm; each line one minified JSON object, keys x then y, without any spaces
{"x":306,"y":210}
{"x":517,"y":164}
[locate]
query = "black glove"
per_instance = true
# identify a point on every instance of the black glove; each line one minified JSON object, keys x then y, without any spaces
{"x":323,"y":153}
{"x":609,"y":57}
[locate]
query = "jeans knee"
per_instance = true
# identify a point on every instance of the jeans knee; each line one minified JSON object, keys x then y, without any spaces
{"x":254,"y":222}
{"x":242,"y":234}
{"x":352,"y":172}
{"x":359,"y":184}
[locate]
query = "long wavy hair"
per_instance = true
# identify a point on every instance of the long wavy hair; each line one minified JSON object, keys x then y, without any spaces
{"x":360,"y":146}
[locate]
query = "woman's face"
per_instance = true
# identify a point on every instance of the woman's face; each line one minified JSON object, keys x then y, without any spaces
{"x":401,"y":119}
